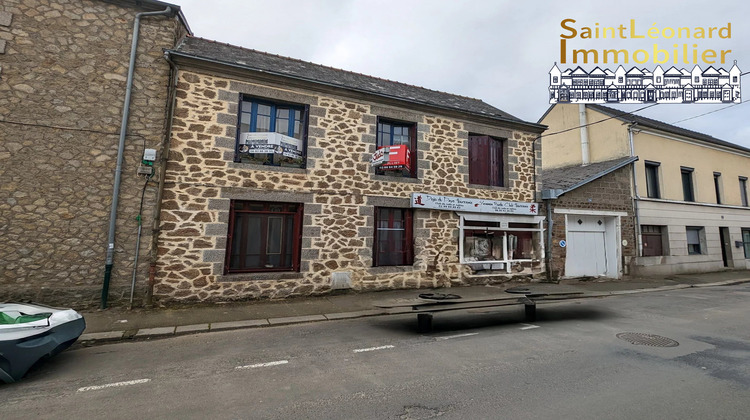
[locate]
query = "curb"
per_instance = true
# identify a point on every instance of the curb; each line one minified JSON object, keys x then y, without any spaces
{"x":164,"y":332}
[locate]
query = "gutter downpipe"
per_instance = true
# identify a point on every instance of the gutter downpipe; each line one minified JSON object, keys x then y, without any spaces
{"x":120,"y":151}
{"x":585,"y":154}
{"x":162,"y":174}
{"x":637,"y":196}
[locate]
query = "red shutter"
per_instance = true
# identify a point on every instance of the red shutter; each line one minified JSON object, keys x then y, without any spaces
{"x":496,"y":162}
{"x":479,"y":165}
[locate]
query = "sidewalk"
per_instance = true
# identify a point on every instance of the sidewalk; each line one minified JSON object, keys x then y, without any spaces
{"x":118,"y":323}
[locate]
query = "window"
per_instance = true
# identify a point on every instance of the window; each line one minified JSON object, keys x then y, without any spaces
{"x":393,"y":237}
{"x":263,"y":237}
{"x":652,"y":179}
{"x":696,"y":79}
{"x":743,"y":191}
{"x":286,"y":133}
{"x":652,"y":239}
{"x":734,"y":79}
{"x":746,"y":241}
{"x":717,"y":186}
{"x":486,"y":161}
{"x":486,"y":241}
{"x":658,"y":79}
{"x":694,"y":235}
{"x":619,"y":79}
{"x":393,"y":133}
{"x":687,"y":184}
{"x":554,"y":79}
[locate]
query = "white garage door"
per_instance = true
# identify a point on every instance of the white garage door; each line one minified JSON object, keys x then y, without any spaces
{"x":586,"y":247}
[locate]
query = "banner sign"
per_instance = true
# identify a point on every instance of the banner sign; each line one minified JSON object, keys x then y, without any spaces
{"x":392,"y":157}
{"x":271,"y":143}
{"x":476,"y":205}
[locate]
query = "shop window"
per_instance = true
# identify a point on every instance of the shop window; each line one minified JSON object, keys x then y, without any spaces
{"x":393,"y":237}
{"x":394,"y":133}
{"x":653,"y":240}
{"x":495,"y":242}
{"x":652,"y":179}
{"x":695,"y":240}
{"x":486,"y":161}
{"x":746,"y":241}
{"x":271,"y":133}
{"x":688,"y":192}
{"x":263,"y":237}
{"x":743,"y":191}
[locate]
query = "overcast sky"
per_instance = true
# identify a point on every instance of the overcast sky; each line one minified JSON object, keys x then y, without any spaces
{"x":497,"y":51}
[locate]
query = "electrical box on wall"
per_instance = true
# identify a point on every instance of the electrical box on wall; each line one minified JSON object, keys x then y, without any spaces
{"x":149,"y":155}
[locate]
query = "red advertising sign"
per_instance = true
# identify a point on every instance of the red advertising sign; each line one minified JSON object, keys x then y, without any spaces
{"x":392,"y":158}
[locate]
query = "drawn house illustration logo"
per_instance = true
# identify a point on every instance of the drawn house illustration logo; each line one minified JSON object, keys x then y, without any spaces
{"x":637,"y":86}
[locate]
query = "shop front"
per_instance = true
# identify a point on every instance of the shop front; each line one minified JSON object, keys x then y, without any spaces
{"x":494,"y":236}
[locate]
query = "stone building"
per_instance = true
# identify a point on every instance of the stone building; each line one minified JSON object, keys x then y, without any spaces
{"x":63,"y":70}
{"x":271,"y":189}
{"x":593,"y":220}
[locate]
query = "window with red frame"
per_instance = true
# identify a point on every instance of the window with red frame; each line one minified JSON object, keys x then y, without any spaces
{"x":393,"y":237}
{"x":263,"y":237}
{"x":486,"y":161}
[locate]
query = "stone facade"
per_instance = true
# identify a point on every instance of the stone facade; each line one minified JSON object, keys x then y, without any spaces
{"x":608,"y":193}
{"x":338,"y":188}
{"x":62,"y":85}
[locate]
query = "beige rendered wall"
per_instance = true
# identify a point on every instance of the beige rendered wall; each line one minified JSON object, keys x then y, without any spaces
{"x":705,"y":160}
{"x":608,"y":139}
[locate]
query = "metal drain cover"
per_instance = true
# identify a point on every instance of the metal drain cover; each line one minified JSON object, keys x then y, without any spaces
{"x":643,"y":339}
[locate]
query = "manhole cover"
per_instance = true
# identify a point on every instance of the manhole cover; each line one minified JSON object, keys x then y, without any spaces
{"x":643,"y":339}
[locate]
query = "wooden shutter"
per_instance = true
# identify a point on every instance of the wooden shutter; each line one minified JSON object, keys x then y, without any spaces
{"x":478,"y":160}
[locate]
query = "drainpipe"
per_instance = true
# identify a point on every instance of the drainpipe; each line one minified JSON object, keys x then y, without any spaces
{"x":548,"y":249}
{"x":172,"y":99}
{"x":637,"y":196}
{"x":120,"y":150}
{"x":585,"y":155}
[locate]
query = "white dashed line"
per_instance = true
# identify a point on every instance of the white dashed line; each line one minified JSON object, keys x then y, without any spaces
{"x":126,"y":383}
{"x":529,"y":327}
{"x":448,"y":337}
{"x":267,"y":364}
{"x":374,"y":348}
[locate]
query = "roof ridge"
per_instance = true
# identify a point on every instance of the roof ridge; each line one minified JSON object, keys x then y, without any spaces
{"x":332,"y":68}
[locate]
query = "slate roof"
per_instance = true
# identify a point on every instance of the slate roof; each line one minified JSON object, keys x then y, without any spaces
{"x":662,"y":126}
{"x":571,"y":177}
{"x":254,"y":60}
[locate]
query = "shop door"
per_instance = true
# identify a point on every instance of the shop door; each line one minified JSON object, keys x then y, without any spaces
{"x":586,"y":247}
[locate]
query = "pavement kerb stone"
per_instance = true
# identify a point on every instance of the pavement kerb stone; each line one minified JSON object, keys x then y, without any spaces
{"x":184,"y":329}
{"x":234,"y":325}
{"x":102,"y":336}
{"x":722,"y":283}
{"x":352,"y":315}
{"x":155,"y":332}
{"x":296,"y":319}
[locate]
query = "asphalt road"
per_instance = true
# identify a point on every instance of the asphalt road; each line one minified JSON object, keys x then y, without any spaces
{"x":569,"y":364}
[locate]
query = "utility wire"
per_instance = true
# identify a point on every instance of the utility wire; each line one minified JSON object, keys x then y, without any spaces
{"x":597,"y":122}
{"x":711,"y":112}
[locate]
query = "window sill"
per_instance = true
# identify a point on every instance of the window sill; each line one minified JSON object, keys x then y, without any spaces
{"x":387,"y":178}
{"x":392,"y":269}
{"x":278,"y":275}
{"x":488,"y":187}
{"x":269,"y":168}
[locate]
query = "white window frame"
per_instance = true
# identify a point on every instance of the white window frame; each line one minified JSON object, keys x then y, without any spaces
{"x":503,"y":220}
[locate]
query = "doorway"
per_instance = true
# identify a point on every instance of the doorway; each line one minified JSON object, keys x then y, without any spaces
{"x":726,"y":248}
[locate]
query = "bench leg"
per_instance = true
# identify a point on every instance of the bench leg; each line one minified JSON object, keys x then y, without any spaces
{"x":530,"y":311}
{"x":424,"y":322}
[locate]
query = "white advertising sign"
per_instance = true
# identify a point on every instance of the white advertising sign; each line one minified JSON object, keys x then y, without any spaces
{"x":270,"y":143}
{"x":476,"y":205}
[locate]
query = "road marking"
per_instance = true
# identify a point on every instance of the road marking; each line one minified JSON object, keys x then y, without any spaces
{"x":456,"y":336}
{"x":267,"y":364}
{"x":126,"y":383}
{"x":529,"y":327}
{"x":374,"y":348}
